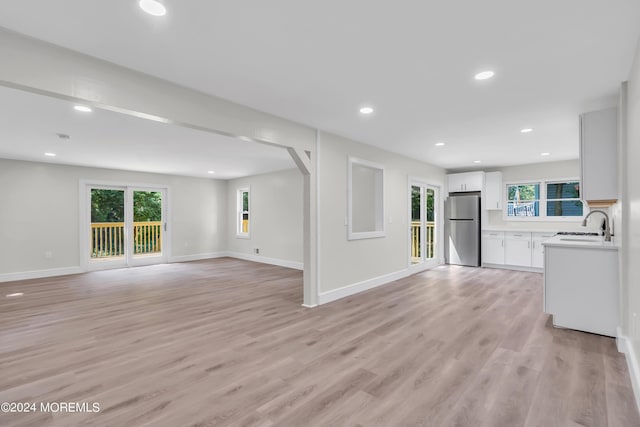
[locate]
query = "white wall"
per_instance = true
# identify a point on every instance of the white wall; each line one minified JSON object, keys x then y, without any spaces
{"x":275,"y":218}
{"x":343,"y":262}
{"x":40,"y":212}
{"x":562,"y":169}
{"x":631,"y":204}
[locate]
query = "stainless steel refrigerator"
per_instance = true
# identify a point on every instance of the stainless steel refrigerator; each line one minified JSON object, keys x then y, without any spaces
{"x":462,"y":229}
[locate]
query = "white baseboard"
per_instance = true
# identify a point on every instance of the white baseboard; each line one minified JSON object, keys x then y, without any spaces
{"x":197,"y":257}
{"x":265,"y":260}
{"x":626,"y":346}
{"x":365,"y":285}
{"x":514,"y":267}
{"x":39,"y":274}
{"x":621,"y":341}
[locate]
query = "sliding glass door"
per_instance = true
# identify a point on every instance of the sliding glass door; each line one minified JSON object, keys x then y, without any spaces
{"x":126,"y":226}
{"x":148,"y":225}
{"x":423,"y":232}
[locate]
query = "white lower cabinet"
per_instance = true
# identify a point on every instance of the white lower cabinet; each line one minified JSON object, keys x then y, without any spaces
{"x":581,"y":288}
{"x":514,"y":248}
{"x":517,"y":248}
{"x":493,"y":247}
{"x":537,"y":250}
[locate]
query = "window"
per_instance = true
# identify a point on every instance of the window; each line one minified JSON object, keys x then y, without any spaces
{"x":545,"y":199}
{"x":243,"y":226}
{"x":523,"y":200}
{"x":563,"y":199}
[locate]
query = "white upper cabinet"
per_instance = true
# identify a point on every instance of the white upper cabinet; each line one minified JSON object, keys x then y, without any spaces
{"x":467,"y":181}
{"x":492,"y":191}
{"x":599,"y":156}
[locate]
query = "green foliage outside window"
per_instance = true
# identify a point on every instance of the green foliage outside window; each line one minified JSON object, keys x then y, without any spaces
{"x":415,"y":204}
{"x":108,"y":206}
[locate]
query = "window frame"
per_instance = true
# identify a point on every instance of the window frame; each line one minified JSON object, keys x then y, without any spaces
{"x":240,"y":212}
{"x":542,"y":200}
{"x":540,"y":185}
{"x":379,"y":200}
{"x":547,"y":199}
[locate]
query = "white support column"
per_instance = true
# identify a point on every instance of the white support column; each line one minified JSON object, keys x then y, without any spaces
{"x":303,"y":161}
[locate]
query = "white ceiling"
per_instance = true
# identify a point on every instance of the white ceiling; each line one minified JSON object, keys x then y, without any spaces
{"x":29,"y":124}
{"x":414,"y":61}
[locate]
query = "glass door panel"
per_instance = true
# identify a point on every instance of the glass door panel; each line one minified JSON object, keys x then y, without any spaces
{"x":126,"y":226}
{"x":416,"y":224}
{"x":423,"y":231}
{"x":148,"y":225}
{"x":430,"y":226}
{"x":107,"y":227}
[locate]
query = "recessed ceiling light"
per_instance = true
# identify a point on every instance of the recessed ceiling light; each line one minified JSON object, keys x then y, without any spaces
{"x":476,"y":161}
{"x":50,"y":154}
{"x":484,"y":75}
{"x":439,"y":144}
{"x":366,"y":110}
{"x":545,"y":154}
{"x":211,"y":172}
{"x":16,"y":294}
{"x":153,"y":7}
{"x":526,"y":130}
{"x":82,"y":108}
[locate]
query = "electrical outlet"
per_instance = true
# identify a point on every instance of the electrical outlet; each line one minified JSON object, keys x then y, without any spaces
{"x":256,"y":251}
{"x":48,"y":255}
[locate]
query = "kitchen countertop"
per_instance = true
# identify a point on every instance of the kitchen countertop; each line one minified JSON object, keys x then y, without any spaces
{"x":519,"y":230}
{"x":595,"y":242}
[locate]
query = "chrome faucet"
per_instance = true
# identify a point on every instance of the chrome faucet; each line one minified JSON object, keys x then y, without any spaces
{"x":607,"y":230}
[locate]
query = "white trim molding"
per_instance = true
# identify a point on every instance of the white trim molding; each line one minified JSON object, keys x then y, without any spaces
{"x":365,"y":285}
{"x":265,"y":260}
{"x":632,"y":354}
{"x":196,"y":257}
{"x":39,"y":274}
{"x":64,"y":271}
{"x":379,"y":200}
{"x":513,"y":267}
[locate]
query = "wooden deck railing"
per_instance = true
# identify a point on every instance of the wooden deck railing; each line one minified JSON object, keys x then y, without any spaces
{"x":524,"y":209}
{"x":107,"y":238}
{"x":415,"y":239}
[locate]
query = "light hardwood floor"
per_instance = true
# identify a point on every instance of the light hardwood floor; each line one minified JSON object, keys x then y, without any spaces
{"x":226,"y":342}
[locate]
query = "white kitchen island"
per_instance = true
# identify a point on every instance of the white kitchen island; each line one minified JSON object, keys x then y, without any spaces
{"x":581,"y":289}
